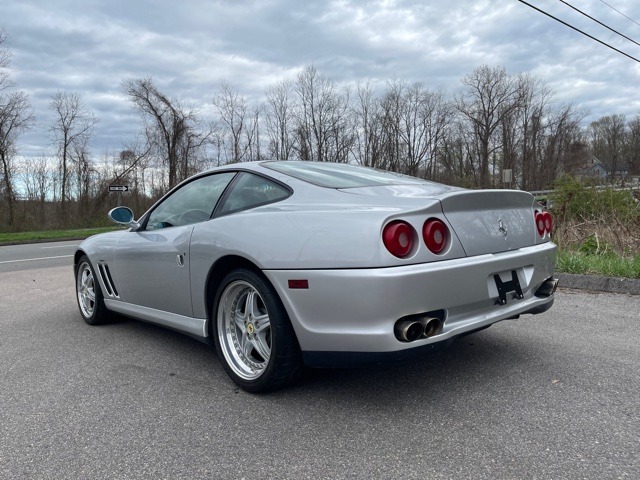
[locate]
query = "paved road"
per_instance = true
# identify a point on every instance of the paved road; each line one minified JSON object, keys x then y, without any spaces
{"x":36,"y":255}
{"x":553,"y":396}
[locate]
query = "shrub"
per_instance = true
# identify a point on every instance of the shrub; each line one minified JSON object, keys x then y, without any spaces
{"x":595,"y":221}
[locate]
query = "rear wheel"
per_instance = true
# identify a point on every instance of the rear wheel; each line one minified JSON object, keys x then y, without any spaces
{"x":253,"y":335}
{"x":89,"y":295}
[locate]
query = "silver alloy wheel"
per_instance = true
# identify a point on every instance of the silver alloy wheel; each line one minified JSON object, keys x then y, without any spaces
{"x":85,"y":287}
{"x":244,"y":330}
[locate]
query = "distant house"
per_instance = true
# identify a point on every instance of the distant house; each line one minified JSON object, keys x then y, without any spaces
{"x":603,"y":170}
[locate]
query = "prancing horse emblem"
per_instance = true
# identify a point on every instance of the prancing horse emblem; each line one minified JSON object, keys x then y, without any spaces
{"x":502,"y":229}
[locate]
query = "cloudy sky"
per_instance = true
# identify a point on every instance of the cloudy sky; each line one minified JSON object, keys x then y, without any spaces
{"x":90,"y":46}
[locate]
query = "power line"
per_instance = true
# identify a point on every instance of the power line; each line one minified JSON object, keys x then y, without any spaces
{"x":614,"y":8}
{"x":598,"y":21}
{"x":580,"y":31}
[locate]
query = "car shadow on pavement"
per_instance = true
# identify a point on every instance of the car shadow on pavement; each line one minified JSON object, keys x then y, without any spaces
{"x":490,"y":357}
{"x":474,"y":361}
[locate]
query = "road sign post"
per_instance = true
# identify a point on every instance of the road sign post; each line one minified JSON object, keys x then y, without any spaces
{"x":119,"y":189}
{"x":507,"y":175}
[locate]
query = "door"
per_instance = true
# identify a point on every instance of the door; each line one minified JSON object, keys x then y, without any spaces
{"x":152,"y":264}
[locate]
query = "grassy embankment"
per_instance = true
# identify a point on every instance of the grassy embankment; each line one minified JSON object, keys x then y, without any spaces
{"x":50,"y":235}
{"x":611,"y":266}
{"x":597,"y":231}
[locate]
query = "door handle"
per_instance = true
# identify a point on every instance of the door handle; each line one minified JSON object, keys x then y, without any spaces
{"x":180,"y":260}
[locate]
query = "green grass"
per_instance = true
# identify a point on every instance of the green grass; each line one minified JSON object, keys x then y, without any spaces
{"x":51,"y":235}
{"x":611,"y":265}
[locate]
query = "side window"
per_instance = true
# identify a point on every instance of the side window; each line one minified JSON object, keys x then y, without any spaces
{"x":251,"y":191}
{"x":192,"y":203}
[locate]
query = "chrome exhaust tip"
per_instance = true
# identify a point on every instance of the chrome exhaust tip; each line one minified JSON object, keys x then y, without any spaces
{"x":547,"y":288}
{"x":408,"y":330}
{"x":431,"y":327}
{"x":419,"y":326}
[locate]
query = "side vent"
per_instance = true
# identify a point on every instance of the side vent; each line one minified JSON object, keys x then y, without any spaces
{"x":109,"y":286}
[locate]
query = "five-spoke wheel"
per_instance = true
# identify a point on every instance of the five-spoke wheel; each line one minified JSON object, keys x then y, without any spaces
{"x":253,"y":334}
{"x":89,"y":295}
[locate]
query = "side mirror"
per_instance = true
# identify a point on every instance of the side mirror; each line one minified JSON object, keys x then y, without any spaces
{"x":123,"y":216}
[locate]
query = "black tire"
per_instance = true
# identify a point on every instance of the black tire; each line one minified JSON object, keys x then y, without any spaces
{"x":88,"y":294}
{"x":250,"y":323}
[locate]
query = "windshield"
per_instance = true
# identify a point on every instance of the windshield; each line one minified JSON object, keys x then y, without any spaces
{"x":341,"y":175}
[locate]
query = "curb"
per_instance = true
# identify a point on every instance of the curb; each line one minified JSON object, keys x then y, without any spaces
{"x":599,"y":283}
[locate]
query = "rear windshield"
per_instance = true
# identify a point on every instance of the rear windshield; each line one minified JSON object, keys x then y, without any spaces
{"x":341,"y":175}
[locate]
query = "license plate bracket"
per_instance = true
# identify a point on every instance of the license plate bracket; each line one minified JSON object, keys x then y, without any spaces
{"x":507,"y":287}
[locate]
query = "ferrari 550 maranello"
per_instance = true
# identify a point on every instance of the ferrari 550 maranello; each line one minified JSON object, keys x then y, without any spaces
{"x":286,"y":264}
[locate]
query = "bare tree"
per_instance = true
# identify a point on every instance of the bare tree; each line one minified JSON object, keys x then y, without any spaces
{"x":633,"y":145}
{"x":72,"y":127}
{"x":278,"y":119}
{"x":37,"y":183}
{"x":132,"y":164}
{"x":233,"y":110}
{"x":423,"y":119}
{"x":322,"y":128}
{"x":608,"y":142}
{"x":562,"y":131}
{"x":16,"y":116}
{"x":490,"y":96}
{"x":5,"y":63}
{"x":173,"y":132}
{"x":457,"y":155}
{"x":217,"y":143}
{"x":392,"y":106}
{"x":252,"y":135}
{"x":81,"y":159}
{"x":367,"y":116}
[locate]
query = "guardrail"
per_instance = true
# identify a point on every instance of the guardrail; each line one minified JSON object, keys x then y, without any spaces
{"x":544,"y":193}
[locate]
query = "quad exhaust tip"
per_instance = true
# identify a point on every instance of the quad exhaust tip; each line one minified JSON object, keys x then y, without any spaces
{"x":412,"y":330}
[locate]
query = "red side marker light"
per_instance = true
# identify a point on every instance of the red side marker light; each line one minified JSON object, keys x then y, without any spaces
{"x":299,"y":284}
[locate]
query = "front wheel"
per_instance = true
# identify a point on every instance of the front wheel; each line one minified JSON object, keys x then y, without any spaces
{"x":89,"y":295}
{"x":253,"y":336}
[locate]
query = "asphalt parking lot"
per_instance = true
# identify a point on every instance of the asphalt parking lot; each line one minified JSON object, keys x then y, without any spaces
{"x":551,"y":396}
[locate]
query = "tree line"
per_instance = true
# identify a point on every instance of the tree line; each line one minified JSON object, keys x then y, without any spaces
{"x":495,"y":121}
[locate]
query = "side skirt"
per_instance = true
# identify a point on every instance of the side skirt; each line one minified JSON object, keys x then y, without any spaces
{"x":195,"y":327}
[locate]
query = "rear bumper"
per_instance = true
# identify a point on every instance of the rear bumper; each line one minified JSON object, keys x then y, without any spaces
{"x":349,"y":314}
{"x":363,"y":359}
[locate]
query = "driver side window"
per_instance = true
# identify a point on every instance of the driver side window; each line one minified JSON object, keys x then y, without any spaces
{"x":192,"y":203}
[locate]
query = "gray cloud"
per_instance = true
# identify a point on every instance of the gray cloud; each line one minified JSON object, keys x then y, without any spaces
{"x":190,"y":47}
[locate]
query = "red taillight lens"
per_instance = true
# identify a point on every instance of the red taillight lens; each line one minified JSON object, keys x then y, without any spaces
{"x":544,"y":222}
{"x":540,"y":223}
{"x":435,"y":234}
{"x":548,"y":222}
{"x":398,"y":238}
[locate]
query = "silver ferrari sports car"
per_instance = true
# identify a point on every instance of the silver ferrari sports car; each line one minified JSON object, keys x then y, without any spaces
{"x":286,"y":264}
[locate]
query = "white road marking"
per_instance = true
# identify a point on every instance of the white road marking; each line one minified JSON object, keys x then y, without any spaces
{"x":61,"y":246}
{"x":34,"y":259}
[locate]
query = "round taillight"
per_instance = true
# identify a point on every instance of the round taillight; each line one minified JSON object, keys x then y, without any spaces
{"x":398,"y":238}
{"x":540,"y":223}
{"x":435,"y":234}
{"x":548,"y":221}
